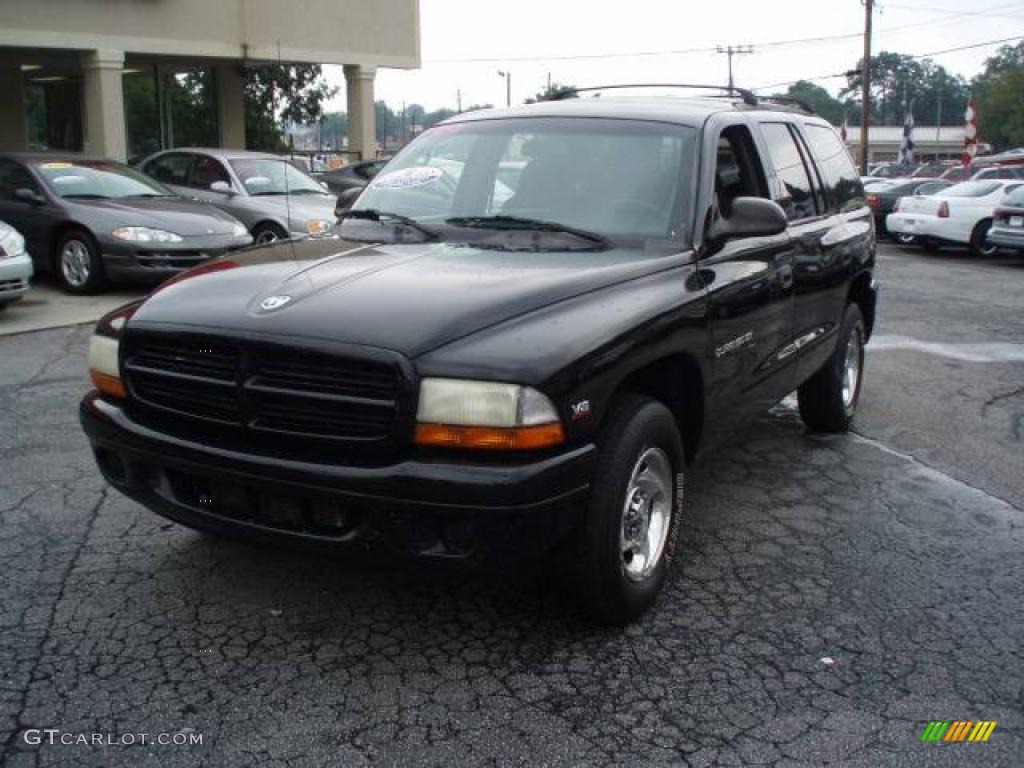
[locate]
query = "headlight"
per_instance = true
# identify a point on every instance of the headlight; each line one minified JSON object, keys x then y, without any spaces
{"x":238,"y":229}
{"x":11,"y":244}
{"x":104,"y":350}
{"x":145,"y":235}
{"x":457,"y":413}
{"x":318,"y":226}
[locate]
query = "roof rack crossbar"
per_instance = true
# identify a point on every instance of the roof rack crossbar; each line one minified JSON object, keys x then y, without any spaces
{"x":791,"y":101}
{"x":748,"y":97}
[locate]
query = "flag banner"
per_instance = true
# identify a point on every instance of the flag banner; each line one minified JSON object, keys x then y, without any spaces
{"x":906,"y":156}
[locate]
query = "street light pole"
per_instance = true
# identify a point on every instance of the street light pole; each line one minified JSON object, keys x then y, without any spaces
{"x":508,"y":87}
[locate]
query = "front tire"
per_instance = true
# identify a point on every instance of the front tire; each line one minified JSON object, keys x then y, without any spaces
{"x":628,"y":538}
{"x":266,"y":233}
{"x":78,"y":264}
{"x":828,"y":400}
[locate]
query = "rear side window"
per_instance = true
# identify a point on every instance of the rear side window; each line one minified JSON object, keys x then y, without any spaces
{"x":970,"y":189}
{"x":844,"y":187}
{"x":798,"y":196}
{"x":170,"y":169}
{"x":14,"y":177}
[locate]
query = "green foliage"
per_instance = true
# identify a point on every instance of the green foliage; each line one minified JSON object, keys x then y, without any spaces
{"x":818,"y":99}
{"x":999,"y":96}
{"x":553,"y":89}
{"x":896,"y":77}
{"x":276,"y":94}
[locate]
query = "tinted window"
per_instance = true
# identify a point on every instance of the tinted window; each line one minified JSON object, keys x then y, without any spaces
{"x":14,"y":176}
{"x":931,"y":188}
{"x":798,"y":196}
{"x":206,"y":171}
{"x":844,"y":188}
{"x":170,"y":169}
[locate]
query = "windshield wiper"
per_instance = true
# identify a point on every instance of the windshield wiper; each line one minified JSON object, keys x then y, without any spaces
{"x":522,"y":224}
{"x":372,"y":214}
{"x":267,"y":192}
{"x":86,"y":196}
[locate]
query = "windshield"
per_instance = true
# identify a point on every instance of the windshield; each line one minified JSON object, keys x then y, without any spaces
{"x":619,"y":179}
{"x":1015,"y":198}
{"x":267,"y":176}
{"x":970,"y":189}
{"x":98,"y":179}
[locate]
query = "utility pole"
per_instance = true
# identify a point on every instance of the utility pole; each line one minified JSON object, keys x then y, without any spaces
{"x":734,"y":50}
{"x":865,"y":90}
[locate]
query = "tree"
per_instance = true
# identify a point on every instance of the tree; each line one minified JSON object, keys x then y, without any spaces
{"x":276,"y":93}
{"x":818,"y":99}
{"x":551,"y":90}
{"x":936,"y":96}
{"x":997,"y":92}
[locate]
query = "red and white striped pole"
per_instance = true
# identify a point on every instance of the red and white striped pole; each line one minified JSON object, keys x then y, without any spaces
{"x":970,"y":133}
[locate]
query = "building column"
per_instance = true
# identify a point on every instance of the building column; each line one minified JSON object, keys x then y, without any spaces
{"x":362,"y":114}
{"x":13,"y":130}
{"x":103,"y":103}
{"x":231,"y":105}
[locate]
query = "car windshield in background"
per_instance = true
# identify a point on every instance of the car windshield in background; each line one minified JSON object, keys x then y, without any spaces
{"x":98,"y":179}
{"x":267,"y":176}
{"x":970,"y":189}
{"x":614,"y":179}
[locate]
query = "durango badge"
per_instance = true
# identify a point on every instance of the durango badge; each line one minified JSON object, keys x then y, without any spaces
{"x":271,"y":303}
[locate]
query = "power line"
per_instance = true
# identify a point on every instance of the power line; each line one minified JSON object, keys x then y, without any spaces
{"x":982,"y":13}
{"x":911,"y":55}
{"x":730,"y":51}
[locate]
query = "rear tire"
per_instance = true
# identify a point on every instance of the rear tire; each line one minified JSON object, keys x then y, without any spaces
{"x":980,"y":248}
{"x":78,"y":264}
{"x":628,"y":538}
{"x":828,"y":400}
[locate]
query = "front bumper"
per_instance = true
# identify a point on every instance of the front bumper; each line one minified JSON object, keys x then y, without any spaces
{"x":161,"y":260}
{"x":425,"y":508}
{"x":15,"y":274}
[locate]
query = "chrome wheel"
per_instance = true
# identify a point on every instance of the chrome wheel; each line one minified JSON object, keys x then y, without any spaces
{"x":75,"y":263}
{"x":851,"y":368}
{"x":646,"y":514}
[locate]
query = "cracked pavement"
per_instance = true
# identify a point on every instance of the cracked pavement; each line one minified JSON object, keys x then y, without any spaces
{"x":889,"y":551}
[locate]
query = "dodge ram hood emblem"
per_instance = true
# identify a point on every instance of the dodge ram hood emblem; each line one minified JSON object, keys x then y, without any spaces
{"x":274,"y":302}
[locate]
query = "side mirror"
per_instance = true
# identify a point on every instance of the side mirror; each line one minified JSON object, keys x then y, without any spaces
{"x":749,"y":217}
{"x":27,"y":195}
{"x":346,"y":200}
{"x":324,"y":187}
{"x":223,"y":187}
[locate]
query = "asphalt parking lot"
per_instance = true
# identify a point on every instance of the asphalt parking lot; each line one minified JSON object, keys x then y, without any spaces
{"x":832,"y":595}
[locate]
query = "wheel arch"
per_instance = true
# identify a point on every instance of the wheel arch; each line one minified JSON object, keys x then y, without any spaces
{"x":862,"y":294}
{"x":677,"y":381}
{"x":62,"y":229}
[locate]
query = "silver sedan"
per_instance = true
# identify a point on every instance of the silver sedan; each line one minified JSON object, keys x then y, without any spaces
{"x":15,"y":265}
{"x":274,"y":199}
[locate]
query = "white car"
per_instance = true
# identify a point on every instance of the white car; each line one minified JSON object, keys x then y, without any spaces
{"x":960,"y":214}
{"x":15,"y":265}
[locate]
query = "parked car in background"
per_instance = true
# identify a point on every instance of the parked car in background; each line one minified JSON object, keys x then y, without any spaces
{"x":931,"y":170}
{"x":269,"y":195}
{"x":956,"y":173}
{"x":873,"y":183}
{"x":958,"y":215}
{"x":882,"y":200}
{"x":1007,"y":229}
{"x":90,"y":220}
{"x":15,"y":266}
{"x":891,"y":171}
{"x":999,"y":172}
{"x":352,"y":176}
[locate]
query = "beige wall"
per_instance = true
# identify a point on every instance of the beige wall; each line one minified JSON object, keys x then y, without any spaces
{"x":381,"y":33}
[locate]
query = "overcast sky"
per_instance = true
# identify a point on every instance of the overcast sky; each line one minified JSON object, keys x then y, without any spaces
{"x":531,"y":38}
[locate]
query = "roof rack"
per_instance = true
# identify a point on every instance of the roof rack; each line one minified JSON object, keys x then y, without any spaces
{"x":748,"y":97}
{"x":788,"y":101}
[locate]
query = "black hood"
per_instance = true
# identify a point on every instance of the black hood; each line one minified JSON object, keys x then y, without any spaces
{"x":174,"y":214}
{"x":410,"y":298}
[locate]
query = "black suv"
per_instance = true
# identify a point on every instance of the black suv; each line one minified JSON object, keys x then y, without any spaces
{"x":515,"y":341}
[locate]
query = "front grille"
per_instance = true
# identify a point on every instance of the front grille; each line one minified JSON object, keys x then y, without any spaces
{"x":8,"y":286}
{"x":264,"y":389}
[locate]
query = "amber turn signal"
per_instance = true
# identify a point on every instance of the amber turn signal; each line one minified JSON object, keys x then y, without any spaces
{"x":108,"y":385}
{"x":490,"y":438}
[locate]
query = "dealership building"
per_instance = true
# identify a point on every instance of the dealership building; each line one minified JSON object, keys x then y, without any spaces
{"x":66,"y":65}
